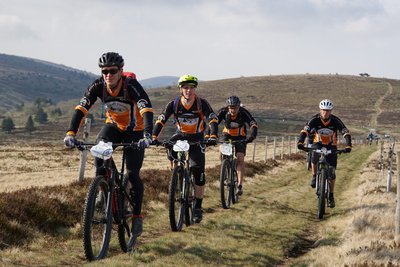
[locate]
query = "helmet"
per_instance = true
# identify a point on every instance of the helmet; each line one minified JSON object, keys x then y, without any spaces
{"x":326,"y":104}
{"x":187,"y":79}
{"x":110,"y":59}
{"x":233,"y":101}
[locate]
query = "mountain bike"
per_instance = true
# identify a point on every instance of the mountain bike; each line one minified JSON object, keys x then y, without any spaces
{"x":109,"y":200}
{"x":228,"y":174}
{"x":181,"y":199}
{"x":324,"y":174}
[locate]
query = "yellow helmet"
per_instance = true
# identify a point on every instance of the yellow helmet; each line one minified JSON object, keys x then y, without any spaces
{"x":187,"y":79}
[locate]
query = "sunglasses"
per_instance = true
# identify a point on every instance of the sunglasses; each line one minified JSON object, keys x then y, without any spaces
{"x":110,"y":71}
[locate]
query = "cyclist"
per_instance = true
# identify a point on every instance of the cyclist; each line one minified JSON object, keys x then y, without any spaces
{"x":325,"y":125}
{"x":236,"y":117}
{"x":190,"y":112}
{"x":129,"y":118}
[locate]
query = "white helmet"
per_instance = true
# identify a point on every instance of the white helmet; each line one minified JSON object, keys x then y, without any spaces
{"x":326,"y":104}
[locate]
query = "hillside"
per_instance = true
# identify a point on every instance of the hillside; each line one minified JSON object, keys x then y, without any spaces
{"x":25,"y":79}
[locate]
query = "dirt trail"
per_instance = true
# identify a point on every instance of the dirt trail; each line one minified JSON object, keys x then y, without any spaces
{"x":378,"y":103}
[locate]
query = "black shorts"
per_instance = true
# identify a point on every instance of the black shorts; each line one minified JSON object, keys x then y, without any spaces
{"x":331,"y":159}
{"x":239,"y":147}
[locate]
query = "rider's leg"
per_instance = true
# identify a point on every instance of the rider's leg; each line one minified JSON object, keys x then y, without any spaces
{"x":240,"y":167}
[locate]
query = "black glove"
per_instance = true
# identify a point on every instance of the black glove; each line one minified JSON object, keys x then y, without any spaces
{"x":70,"y":140}
{"x":211,"y":141}
{"x":249,"y":139}
{"x":300,"y":146}
{"x":347,"y":150}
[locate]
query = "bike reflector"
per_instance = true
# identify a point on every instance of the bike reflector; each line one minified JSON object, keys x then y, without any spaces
{"x":226,"y":149}
{"x":102,"y":150}
{"x":181,"y":146}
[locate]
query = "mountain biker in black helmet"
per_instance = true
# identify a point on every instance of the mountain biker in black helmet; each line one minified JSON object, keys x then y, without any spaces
{"x":129,"y":118}
{"x":236,"y":118}
{"x":326,"y":127}
{"x":190,"y":114}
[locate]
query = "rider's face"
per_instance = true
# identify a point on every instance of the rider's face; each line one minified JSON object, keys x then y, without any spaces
{"x":325,"y":113}
{"x":233,"y":110}
{"x":111,"y":75}
{"x":188,"y":91}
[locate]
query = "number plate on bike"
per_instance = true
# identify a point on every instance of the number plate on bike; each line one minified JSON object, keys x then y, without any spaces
{"x":226,"y":149}
{"x":102,"y":150}
{"x":181,"y":145}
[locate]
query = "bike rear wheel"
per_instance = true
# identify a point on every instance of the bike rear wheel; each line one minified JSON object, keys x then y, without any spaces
{"x":176,"y":202}
{"x":225,"y":184}
{"x":97,"y":220}
{"x":124,"y":228}
{"x":322,"y":193}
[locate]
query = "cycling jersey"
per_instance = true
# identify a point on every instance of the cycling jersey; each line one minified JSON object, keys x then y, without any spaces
{"x":235,"y":126}
{"x":129,"y":109}
{"x":326,"y":132}
{"x":190,"y":120}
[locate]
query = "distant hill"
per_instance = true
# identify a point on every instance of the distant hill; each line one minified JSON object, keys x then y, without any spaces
{"x":25,"y":79}
{"x":160,"y":81}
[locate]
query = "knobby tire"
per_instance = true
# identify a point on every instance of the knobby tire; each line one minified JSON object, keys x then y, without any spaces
{"x":97,"y":221}
{"x":189,"y":200}
{"x":175,"y":201}
{"x":322,"y":193}
{"x":234,"y":184}
{"x":225,"y":181}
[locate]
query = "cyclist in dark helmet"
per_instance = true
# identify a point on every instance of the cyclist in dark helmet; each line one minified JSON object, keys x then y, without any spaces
{"x":129,"y":118}
{"x":236,"y":120}
{"x":325,"y":126}
{"x":190,"y":114}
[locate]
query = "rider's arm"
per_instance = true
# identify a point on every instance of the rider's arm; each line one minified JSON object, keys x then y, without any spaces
{"x":162,"y":119}
{"x":211,"y":118}
{"x":143,"y":102}
{"x":251,"y":121}
{"x":81,"y":110}
{"x":344,"y":131}
{"x":306,"y":131}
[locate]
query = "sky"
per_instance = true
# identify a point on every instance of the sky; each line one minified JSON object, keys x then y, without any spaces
{"x":211,"y":39}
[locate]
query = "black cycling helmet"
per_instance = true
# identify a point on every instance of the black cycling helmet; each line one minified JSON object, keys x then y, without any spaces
{"x":110,"y":59}
{"x":233,"y":101}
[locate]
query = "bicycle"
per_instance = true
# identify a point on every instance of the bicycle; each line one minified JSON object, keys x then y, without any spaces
{"x":228,"y":174}
{"x":181,"y":198}
{"x":322,"y":178}
{"x":109,"y":200}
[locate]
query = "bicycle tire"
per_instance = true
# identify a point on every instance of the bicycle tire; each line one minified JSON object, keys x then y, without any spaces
{"x":97,"y":221}
{"x":322,"y":193}
{"x":124,"y":228}
{"x":234,"y":184}
{"x":176,"y":204}
{"x":225,"y":181}
{"x":190,"y":201}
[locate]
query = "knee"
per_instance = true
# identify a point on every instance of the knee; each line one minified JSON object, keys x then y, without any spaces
{"x":199,"y":176}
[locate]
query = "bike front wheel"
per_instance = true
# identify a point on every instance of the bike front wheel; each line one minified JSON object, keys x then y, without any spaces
{"x":234,"y":184}
{"x":225,"y":184}
{"x":176,"y":202}
{"x":97,"y":220}
{"x":190,"y":201}
{"x":126,"y":206}
{"x":322,"y":193}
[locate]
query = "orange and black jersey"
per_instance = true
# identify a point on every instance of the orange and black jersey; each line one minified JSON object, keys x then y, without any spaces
{"x":190,"y":120}
{"x":129,"y":109}
{"x":236,"y":126}
{"x":325,"y":132}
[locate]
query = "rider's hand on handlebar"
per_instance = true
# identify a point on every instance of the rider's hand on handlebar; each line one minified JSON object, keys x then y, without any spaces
{"x":347,"y":150}
{"x":212,"y":141}
{"x":249,"y":139}
{"x":144,"y":142}
{"x":300,"y":146}
{"x":70,"y":141}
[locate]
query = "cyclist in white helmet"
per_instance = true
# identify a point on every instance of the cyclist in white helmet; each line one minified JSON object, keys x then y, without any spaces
{"x":326,"y":126}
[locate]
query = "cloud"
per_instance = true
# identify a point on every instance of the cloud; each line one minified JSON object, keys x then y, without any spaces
{"x":12,"y":28}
